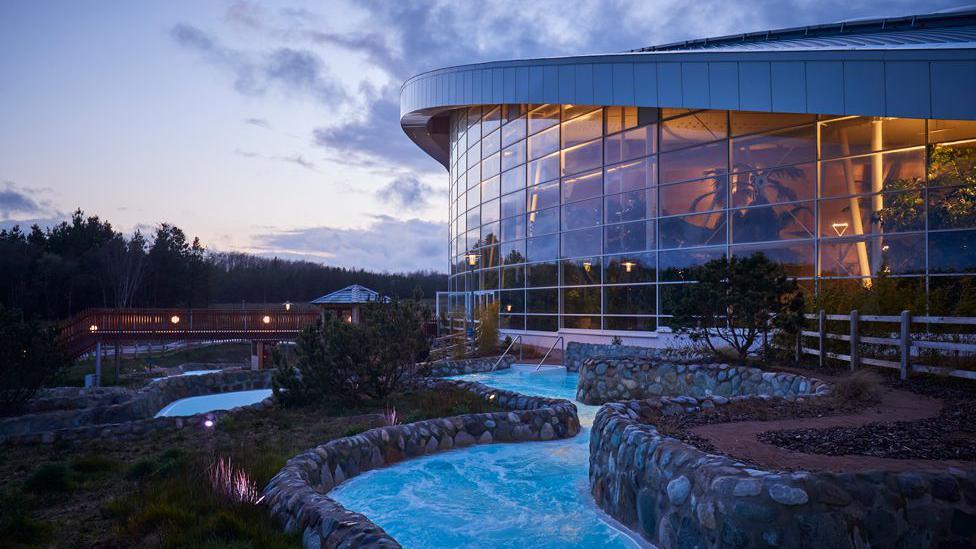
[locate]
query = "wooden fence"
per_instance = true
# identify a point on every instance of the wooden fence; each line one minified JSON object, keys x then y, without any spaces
{"x":903,"y":340}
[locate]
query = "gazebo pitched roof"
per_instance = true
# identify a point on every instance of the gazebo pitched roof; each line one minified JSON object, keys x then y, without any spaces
{"x":350,"y":295}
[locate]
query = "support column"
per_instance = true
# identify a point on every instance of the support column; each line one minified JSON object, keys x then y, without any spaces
{"x":257,"y":355}
{"x":98,"y":364}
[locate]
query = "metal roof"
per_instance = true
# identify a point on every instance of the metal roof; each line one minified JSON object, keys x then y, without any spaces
{"x":350,"y":295}
{"x":947,"y":28}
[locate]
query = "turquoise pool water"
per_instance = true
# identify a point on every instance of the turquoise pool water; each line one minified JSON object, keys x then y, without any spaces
{"x":208,"y":403}
{"x":529,"y":494}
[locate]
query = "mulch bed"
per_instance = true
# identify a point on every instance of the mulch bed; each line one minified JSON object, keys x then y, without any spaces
{"x":949,"y":436}
{"x":679,"y":426}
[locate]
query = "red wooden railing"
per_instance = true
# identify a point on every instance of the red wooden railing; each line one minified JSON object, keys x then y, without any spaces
{"x":81,"y":332}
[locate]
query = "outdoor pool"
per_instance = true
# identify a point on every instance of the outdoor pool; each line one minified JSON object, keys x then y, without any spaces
{"x":528,"y":494}
{"x":208,"y":403}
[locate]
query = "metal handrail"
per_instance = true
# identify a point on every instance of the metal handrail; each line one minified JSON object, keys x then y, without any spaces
{"x":558,"y":339}
{"x":510,"y":345}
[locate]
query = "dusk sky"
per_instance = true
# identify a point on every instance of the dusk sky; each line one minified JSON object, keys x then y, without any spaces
{"x":273,"y":127}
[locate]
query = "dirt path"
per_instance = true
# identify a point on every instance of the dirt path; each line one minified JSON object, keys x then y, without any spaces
{"x":740,"y":439}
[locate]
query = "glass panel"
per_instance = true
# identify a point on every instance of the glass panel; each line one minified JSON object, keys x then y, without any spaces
{"x":490,"y":166}
{"x":543,"y":117}
{"x":941,"y":131}
{"x":873,"y":173}
{"x":543,"y":222}
{"x":781,"y":148}
{"x":578,"y":215}
{"x":542,"y":274}
{"x":581,"y":272}
{"x":865,"y":134}
{"x":630,"y":323}
{"x":492,"y":119}
{"x":489,"y":211}
{"x":542,"y":301}
{"x":584,"y":242}
{"x":630,"y":176}
{"x":952,"y":208}
{"x":582,"y":129}
{"x":674,"y":265}
{"x":513,"y":155}
{"x":767,"y":223}
{"x":692,"y":230}
{"x":489,"y":279}
{"x":694,"y":196}
{"x":543,"y":143}
{"x":953,"y":164}
{"x":634,"y":143}
{"x":572,"y":111}
{"x":513,"y":180}
{"x":544,"y":169}
{"x":540,"y":323}
{"x":694,"y":129}
{"x":474,"y":218}
{"x":797,"y":258}
{"x":947,"y":295}
{"x":581,"y":301}
{"x":512,"y":112}
{"x":543,"y":196}
{"x":513,"y":131}
{"x":581,"y":322}
{"x":629,"y":237}
{"x":542,"y":248}
{"x":490,"y":189}
{"x":511,"y":322}
{"x":787,"y":184}
{"x":513,"y":228}
{"x":865,"y":257}
{"x":511,"y":302}
{"x":631,"y":206}
{"x":489,"y":233}
{"x":880,"y":213}
{"x":744,"y":122}
{"x":952,"y":252}
{"x":640,"y":300}
{"x":630,"y":268}
{"x":474,"y":176}
{"x":587,"y":185}
{"x":582,"y":158}
{"x":490,"y":145}
{"x":620,"y":118}
{"x":513,"y":277}
{"x":708,"y":161}
{"x":513,"y":252}
{"x":513,"y":204}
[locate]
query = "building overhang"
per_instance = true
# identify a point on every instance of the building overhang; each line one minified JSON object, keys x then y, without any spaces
{"x":908,"y":82}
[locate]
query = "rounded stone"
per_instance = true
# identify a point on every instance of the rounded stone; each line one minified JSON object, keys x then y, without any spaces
{"x":678,"y":490}
{"x":788,"y":495}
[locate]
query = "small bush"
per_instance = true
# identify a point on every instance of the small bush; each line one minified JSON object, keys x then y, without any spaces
{"x":50,"y":478}
{"x":17,"y":528}
{"x":860,"y":386}
{"x":162,"y":466}
{"x":488,"y":330}
{"x":93,"y":465}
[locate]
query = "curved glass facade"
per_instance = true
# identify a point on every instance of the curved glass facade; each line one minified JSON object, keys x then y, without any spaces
{"x":584,"y":217}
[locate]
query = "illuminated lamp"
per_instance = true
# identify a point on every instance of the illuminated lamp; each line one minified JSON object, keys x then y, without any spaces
{"x":175,"y":319}
{"x":266,"y":319}
{"x":628,"y":265}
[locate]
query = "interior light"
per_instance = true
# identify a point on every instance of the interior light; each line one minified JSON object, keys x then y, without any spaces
{"x":628,"y":265}
{"x":587,"y":266}
{"x":287,"y":306}
{"x":885,"y":248}
{"x":266,"y":319}
{"x":840,"y":228}
{"x":508,"y":308}
{"x":93,"y":328}
{"x":175,"y":319}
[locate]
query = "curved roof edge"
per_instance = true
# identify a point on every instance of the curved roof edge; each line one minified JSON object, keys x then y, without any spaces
{"x":910,"y":83}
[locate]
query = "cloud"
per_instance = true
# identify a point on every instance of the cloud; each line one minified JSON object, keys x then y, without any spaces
{"x":23,"y":205}
{"x":289,"y":70}
{"x":406,"y":192}
{"x":295,"y":159}
{"x":387,"y":244}
{"x":259,"y":122}
{"x":298,"y":160}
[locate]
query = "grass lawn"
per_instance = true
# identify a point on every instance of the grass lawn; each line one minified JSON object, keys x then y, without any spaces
{"x":154,"y":492}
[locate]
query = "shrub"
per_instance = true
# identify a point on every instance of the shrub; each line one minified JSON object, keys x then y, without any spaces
{"x":736,"y":300}
{"x":50,"y":478}
{"x":339,"y":360}
{"x":30,"y":357}
{"x":860,"y":386}
{"x":488,"y":330}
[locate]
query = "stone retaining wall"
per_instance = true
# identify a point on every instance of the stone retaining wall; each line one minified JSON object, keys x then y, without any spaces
{"x":676,"y":495}
{"x":298,"y":496}
{"x":73,"y":398}
{"x":445,"y":368}
{"x":577,"y":353}
{"x":607,"y":379}
{"x":142,"y":404}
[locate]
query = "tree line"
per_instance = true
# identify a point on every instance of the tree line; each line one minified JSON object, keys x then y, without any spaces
{"x":84,"y":262}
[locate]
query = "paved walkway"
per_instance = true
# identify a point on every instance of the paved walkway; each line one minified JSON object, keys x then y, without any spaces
{"x":740,"y":439}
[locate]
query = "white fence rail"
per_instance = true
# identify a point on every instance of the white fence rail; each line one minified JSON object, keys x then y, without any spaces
{"x":905,"y":342}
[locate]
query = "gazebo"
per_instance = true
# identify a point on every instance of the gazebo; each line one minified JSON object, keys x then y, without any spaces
{"x":347,"y":302}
